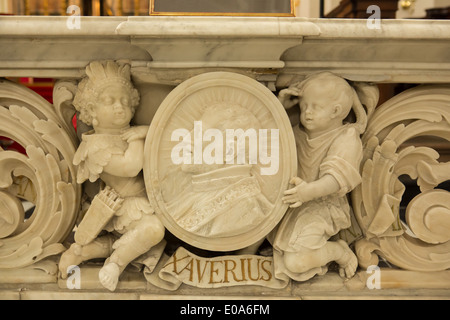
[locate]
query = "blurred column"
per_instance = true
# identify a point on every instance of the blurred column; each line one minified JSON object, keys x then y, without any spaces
{"x":308,"y":9}
{"x":6,"y":7}
{"x":127,"y":7}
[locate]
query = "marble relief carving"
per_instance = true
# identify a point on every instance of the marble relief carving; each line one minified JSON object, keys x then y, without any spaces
{"x":222,"y":168}
{"x":420,"y":241}
{"x":114,"y":153}
{"x":45,"y":177}
{"x":219,"y":153}
{"x":329,"y":153}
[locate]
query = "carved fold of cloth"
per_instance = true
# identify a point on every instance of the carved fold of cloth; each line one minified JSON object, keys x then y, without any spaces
{"x":337,"y":153}
{"x":223,"y":202}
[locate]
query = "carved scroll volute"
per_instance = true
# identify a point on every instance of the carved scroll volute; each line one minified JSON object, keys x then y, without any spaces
{"x":422,"y":241}
{"x":44,"y":176}
{"x":63,"y":95}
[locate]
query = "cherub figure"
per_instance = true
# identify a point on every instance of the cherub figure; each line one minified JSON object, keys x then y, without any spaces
{"x":329,"y":155}
{"x":114,"y":153}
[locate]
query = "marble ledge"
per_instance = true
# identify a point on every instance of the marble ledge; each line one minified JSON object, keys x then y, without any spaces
{"x":169,"y":50}
{"x":396,"y":285}
{"x":224,"y":26}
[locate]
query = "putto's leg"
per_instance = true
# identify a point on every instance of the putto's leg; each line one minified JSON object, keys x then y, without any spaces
{"x":148,"y":233}
{"x":76,"y":254}
{"x":308,"y":259}
{"x":348,"y":262}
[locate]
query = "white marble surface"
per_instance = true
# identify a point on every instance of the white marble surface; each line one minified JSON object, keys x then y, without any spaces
{"x":169,"y":50}
{"x":215,"y":100}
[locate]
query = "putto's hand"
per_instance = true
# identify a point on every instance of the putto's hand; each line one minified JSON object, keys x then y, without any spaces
{"x":135,"y":133}
{"x":296,"y":181}
{"x":285,"y":97}
{"x":296,"y":205}
{"x":289,"y":92}
{"x":294,"y":196}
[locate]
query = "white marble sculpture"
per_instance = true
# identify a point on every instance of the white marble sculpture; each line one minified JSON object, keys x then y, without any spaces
{"x":223,"y":199}
{"x":44,"y":177}
{"x":220,"y":152}
{"x":394,"y":147}
{"x":329,"y":154}
{"x":114,"y":153}
{"x":178,"y":64}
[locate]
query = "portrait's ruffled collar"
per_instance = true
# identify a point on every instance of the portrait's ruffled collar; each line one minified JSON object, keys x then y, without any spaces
{"x":220,"y":178}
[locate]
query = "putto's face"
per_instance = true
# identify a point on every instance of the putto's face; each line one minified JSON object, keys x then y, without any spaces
{"x":316,"y":109}
{"x":113,"y":108}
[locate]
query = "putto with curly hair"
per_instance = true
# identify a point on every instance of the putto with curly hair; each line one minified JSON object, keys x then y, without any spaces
{"x":99,"y":76}
{"x":114,"y":153}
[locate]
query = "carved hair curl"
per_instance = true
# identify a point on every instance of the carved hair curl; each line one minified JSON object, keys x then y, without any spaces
{"x":100,"y":75}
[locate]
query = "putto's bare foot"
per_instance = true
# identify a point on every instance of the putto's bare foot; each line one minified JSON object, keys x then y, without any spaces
{"x":109,"y":276}
{"x":348,"y":263}
{"x":72,"y":257}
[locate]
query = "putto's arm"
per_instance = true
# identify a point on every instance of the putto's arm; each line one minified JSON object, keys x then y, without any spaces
{"x":130,"y":163}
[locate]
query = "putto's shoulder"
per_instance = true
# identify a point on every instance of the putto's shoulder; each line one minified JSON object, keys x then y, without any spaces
{"x":350,"y":130}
